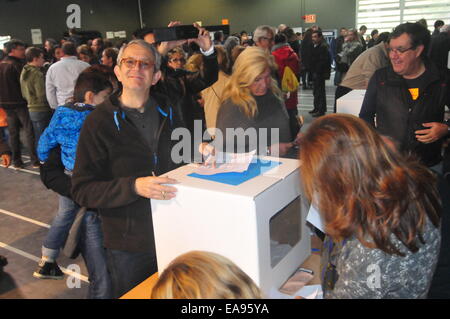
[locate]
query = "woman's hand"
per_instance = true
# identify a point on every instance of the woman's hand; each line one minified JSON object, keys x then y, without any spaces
{"x":151,"y":187}
{"x":203,"y":40}
{"x":165,"y":47}
{"x":298,"y":138}
{"x":280,"y":149}
{"x":209,"y":152}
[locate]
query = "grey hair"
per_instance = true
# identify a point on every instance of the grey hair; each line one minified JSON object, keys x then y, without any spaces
{"x":445,"y":28}
{"x":145,"y":45}
{"x":261,"y":31}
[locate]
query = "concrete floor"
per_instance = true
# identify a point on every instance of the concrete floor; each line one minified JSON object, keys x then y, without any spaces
{"x":26,"y":212}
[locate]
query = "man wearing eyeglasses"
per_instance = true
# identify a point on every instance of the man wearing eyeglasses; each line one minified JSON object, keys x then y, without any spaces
{"x":124,"y":145}
{"x":264,"y":37}
{"x":408,"y":97}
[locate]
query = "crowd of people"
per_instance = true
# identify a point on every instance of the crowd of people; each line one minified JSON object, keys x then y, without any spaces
{"x":98,"y":122}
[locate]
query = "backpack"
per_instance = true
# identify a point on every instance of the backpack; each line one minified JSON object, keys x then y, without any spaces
{"x":289,"y":83}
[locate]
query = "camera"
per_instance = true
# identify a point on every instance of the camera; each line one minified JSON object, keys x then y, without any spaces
{"x":179,"y":32}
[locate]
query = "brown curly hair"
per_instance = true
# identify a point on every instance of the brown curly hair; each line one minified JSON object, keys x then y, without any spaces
{"x":363,"y":187}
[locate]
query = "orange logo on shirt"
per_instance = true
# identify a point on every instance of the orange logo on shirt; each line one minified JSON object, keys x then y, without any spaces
{"x":414,"y":93}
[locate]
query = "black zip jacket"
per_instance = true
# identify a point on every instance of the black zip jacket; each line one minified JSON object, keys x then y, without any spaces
{"x":111,"y":155}
{"x":399,"y":116}
{"x":10,"y":91}
{"x":321,"y":60}
{"x":53,"y":176}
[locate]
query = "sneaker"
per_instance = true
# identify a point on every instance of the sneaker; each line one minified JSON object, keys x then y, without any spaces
{"x":47,"y":270}
{"x":36,"y":164}
{"x":18,"y":165}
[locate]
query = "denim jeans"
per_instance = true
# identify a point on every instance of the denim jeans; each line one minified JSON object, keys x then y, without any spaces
{"x":128,"y":269}
{"x":91,"y":245}
{"x":94,"y":254}
{"x":57,"y":234}
{"x":40,"y":121}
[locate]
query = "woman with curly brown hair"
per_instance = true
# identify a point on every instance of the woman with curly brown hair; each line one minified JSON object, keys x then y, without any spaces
{"x":381,"y":211}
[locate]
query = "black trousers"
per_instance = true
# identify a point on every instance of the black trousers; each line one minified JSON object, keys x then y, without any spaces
{"x":440,"y":285}
{"x":18,"y":118}
{"x":340,"y":92}
{"x":293,"y":122}
{"x":320,"y":97}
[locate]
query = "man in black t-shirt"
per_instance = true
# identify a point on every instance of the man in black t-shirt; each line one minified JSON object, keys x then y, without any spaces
{"x":408,"y":97}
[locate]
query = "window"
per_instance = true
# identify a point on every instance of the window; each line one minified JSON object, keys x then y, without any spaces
{"x":385,"y":15}
{"x":3,"y":40}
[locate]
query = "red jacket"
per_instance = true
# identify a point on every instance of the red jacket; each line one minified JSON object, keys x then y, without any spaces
{"x":285,"y":56}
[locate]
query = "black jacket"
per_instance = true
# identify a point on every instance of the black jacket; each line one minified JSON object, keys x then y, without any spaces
{"x":53,"y":176}
{"x":111,"y":155}
{"x":10,"y":91}
{"x":399,"y":116}
{"x":183,"y":87}
{"x":439,"y":48}
{"x":321,"y":60}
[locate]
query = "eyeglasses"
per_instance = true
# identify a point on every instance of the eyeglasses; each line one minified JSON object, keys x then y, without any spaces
{"x":182,"y":60}
{"x":265,"y":38}
{"x":399,"y":50}
{"x":131,"y":63}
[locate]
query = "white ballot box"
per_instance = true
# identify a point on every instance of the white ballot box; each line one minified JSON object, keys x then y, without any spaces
{"x":256,"y":219}
{"x":351,"y":102}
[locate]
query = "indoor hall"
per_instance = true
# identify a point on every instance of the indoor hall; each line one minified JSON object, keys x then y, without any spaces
{"x":27,"y":208}
{"x":26,"y":212}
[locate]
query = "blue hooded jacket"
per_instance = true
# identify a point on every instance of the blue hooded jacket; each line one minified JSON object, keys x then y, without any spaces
{"x":64,"y":130}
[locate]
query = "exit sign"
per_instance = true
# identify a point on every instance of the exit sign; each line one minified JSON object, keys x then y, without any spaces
{"x":310,"y":18}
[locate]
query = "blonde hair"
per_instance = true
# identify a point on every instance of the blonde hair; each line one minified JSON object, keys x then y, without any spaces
{"x":204,"y":275}
{"x":195,"y":63}
{"x":251,"y":63}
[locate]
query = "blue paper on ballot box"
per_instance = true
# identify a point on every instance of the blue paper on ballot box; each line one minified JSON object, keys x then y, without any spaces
{"x":235,"y":179}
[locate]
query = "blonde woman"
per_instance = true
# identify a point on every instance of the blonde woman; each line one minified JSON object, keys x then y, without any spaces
{"x":212,"y":95}
{"x":252,"y":100}
{"x":204,"y":275}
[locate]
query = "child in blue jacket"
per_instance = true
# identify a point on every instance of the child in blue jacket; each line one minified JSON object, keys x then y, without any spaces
{"x":92,"y":88}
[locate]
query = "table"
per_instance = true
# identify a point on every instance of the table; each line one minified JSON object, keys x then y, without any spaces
{"x":351,"y":102}
{"x":143,"y":290}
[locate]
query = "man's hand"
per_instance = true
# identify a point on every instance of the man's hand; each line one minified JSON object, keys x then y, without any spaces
{"x":203,"y":40}
{"x":6,"y":160}
{"x":151,"y":187}
{"x":435,"y":131}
